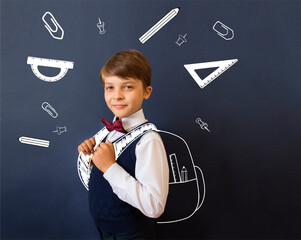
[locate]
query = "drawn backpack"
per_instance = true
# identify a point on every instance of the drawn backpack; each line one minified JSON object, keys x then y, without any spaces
{"x":186,"y":179}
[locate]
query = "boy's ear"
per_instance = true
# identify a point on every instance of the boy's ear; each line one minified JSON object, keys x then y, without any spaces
{"x":147,"y":92}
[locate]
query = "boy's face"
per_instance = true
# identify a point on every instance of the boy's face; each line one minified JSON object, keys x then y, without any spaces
{"x":124,"y":96}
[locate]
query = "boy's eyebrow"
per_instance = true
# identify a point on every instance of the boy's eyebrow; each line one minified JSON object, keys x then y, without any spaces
{"x":129,"y":81}
{"x":124,"y":81}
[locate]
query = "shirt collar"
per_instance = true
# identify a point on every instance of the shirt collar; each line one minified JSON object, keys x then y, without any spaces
{"x":133,"y":120}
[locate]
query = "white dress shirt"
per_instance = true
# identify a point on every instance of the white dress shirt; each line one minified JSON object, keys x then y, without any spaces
{"x":148,"y":192}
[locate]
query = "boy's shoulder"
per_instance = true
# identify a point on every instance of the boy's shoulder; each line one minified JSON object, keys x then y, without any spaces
{"x":150,"y":136}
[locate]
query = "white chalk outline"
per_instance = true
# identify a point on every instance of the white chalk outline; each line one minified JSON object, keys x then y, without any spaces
{"x":173,"y":168}
{"x":49,"y":109}
{"x":60,"y":130}
{"x":83,"y":162}
{"x":182,"y":38}
{"x":119,"y":146}
{"x":99,"y":25}
{"x":226,"y":28}
{"x":34,"y":141}
{"x":184,"y":178}
{"x":160,"y":24}
{"x":125,"y":141}
{"x":202,"y":124}
{"x":199,"y":201}
{"x":55,"y":23}
{"x":222,"y":67}
{"x":35,"y":62}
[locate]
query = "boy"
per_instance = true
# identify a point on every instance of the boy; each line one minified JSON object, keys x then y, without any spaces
{"x":125,"y":194}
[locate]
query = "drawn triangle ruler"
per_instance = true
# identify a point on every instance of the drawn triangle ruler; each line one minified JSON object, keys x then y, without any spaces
{"x":222,"y":67}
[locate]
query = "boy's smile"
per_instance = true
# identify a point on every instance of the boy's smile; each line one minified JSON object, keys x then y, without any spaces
{"x":124,"y":96}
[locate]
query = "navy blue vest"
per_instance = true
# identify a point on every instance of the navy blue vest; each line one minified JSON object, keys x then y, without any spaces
{"x":109,"y":212}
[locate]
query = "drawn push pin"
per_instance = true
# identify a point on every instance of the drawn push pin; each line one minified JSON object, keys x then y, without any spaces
{"x":60,"y":130}
{"x":101,"y":27}
{"x":181,"y":39}
{"x":202,"y":124}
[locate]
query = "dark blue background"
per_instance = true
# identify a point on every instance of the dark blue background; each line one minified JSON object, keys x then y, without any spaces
{"x":251,"y":157}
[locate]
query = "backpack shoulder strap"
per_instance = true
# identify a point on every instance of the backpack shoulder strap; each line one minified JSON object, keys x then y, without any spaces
{"x":100,"y":135}
{"x":83,"y":162}
{"x":122,"y":143}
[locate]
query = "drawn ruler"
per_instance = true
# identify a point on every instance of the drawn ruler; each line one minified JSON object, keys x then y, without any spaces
{"x":175,"y":169}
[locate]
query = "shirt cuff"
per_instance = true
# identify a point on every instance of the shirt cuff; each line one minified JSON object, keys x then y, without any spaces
{"x":113,"y":173}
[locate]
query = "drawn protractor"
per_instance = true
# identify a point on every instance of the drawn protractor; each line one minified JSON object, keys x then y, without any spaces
{"x":35,"y":62}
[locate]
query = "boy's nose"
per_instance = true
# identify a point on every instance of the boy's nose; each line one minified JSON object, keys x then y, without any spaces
{"x":118,"y":94}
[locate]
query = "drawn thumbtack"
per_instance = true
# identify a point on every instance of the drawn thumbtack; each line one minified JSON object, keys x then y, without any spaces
{"x":60,"y":130}
{"x":181,"y":40}
{"x":101,"y":27}
{"x":202,"y":124}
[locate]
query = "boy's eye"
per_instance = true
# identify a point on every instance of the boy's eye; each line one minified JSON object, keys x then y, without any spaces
{"x":109,"y":87}
{"x":128,"y":87}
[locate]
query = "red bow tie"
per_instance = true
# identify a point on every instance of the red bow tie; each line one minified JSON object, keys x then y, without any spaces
{"x":117,"y":125}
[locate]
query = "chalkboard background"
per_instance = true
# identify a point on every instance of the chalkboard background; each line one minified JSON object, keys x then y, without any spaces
{"x":250,"y":158}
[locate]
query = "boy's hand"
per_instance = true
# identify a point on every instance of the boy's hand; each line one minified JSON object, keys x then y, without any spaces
{"x":87,"y":147}
{"x":104,"y":156}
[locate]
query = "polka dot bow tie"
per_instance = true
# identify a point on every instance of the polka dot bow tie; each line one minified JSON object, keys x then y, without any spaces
{"x":117,"y":125}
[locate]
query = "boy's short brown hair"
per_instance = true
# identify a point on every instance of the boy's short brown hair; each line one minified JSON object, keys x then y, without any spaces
{"x":128,"y":64}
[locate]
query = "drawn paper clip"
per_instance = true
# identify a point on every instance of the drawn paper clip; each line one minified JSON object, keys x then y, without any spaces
{"x":48,"y":108}
{"x":57,"y":28}
{"x":34,"y":141}
{"x":229,"y":31}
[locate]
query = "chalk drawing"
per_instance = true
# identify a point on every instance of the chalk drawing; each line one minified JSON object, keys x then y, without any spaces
{"x":175,"y":167}
{"x":34,"y":141}
{"x":184,"y":174}
{"x":57,"y":30}
{"x":218,"y":27}
{"x":84,"y":162}
{"x":101,"y":27}
{"x":181,"y":39}
{"x":60,"y":130}
{"x":160,"y":24}
{"x":222,"y":67}
{"x":49,"y":109}
{"x":202,"y":124}
{"x":196,"y":179}
{"x":35,"y":62}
